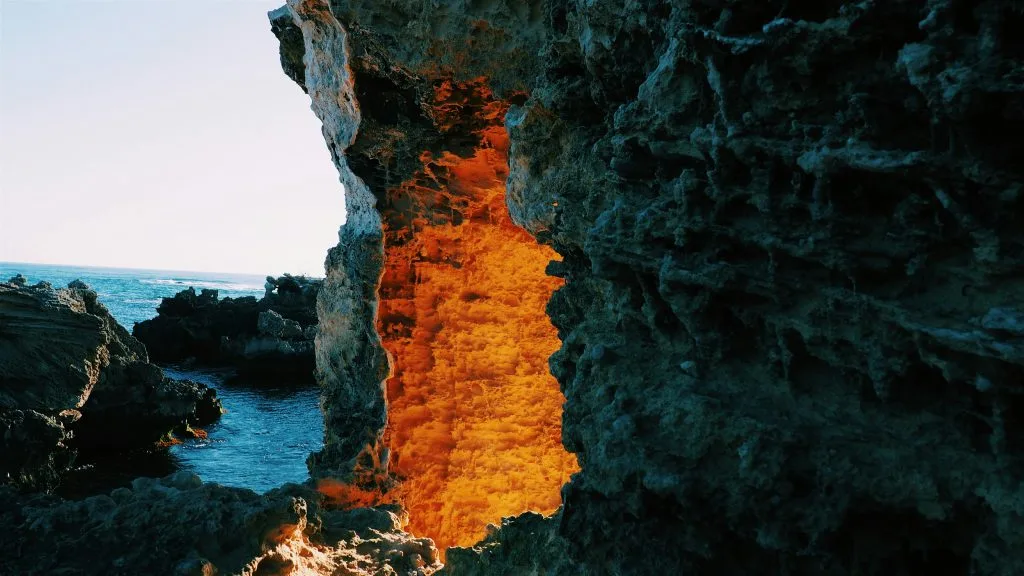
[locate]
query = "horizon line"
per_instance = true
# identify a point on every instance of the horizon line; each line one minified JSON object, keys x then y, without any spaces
{"x":9,"y":264}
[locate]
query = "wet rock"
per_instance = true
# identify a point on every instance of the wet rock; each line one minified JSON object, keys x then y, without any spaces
{"x":74,"y":381}
{"x":1005,"y":319}
{"x":267,"y":339}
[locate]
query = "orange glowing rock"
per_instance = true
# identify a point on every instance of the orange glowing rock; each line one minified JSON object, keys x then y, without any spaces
{"x":343,"y":495}
{"x":168,"y":441}
{"x":474,"y":414}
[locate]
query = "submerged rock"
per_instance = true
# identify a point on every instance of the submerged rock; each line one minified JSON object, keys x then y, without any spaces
{"x":73,"y":380}
{"x":179,"y":526}
{"x":267,"y":339}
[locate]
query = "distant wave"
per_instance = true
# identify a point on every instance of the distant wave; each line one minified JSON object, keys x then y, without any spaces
{"x":141,"y":300}
{"x":212,"y":284}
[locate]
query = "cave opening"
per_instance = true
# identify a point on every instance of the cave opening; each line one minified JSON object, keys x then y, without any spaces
{"x":474,"y":414}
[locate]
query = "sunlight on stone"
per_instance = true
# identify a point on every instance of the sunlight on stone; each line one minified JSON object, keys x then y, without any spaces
{"x":475,"y":415}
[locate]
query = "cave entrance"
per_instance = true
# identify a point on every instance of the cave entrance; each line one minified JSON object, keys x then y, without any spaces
{"x":474,"y":414}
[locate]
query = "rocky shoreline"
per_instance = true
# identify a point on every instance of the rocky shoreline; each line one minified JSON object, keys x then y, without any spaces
{"x":73,"y":382}
{"x":266,"y":340}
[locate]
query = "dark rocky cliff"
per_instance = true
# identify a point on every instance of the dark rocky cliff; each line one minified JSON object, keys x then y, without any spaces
{"x":74,"y":382}
{"x":791,"y":323}
{"x":265,"y":340}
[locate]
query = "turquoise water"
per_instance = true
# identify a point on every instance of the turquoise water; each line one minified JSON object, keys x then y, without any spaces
{"x":263,"y":439}
{"x":133,"y":295}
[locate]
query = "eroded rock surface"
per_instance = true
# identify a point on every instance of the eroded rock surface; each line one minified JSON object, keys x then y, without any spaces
{"x":792,"y":251}
{"x":73,"y":380}
{"x":521,"y":545}
{"x":179,"y":526}
{"x":266,"y":339}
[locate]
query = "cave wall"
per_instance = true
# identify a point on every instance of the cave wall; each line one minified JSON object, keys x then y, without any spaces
{"x":474,"y":414}
{"x":456,"y":292}
{"x":792,"y":339}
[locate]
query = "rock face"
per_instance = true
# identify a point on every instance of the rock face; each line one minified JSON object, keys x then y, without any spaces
{"x":792,"y":259}
{"x":270,"y":338}
{"x":35,"y":448}
{"x":73,"y":380}
{"x":178,"y":526}
{"x":526,"y":544}
{"x":458,"y":299}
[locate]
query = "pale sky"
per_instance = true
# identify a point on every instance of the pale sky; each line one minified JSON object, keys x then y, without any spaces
{"x":158,"y":134}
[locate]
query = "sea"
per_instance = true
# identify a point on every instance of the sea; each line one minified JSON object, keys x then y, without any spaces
{"x":267,"y":432}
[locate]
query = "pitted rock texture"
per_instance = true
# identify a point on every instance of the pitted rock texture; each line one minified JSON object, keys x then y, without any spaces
{"x":73,"y":380}
{"x":376,"y":145}
{"x":178,"y":526}
{"x":779,"y":257}
{"x":459,"y":39}
{"x":528,"y":544}
{"x":792,"y":250}
{"x":351,"y":364}
{"x":268,"y":339}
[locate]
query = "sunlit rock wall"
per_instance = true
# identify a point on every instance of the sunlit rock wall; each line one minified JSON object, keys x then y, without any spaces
{"x":474,"y":431}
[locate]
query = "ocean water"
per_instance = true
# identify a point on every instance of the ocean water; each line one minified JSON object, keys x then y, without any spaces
{"x":261,"y":441}
{"x":133,"y":295}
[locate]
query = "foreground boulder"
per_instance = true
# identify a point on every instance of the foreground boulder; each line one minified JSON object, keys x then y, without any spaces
{"x":178,"y":526}
{"x":72,"y":380}
{"x":270,"y":338}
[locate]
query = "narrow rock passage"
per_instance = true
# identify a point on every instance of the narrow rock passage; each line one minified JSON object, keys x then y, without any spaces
{"x":474,"y":413}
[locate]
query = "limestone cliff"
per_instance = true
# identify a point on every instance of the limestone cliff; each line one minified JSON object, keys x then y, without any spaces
{"x":789,"y":234}
{"x":72,"y":379}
